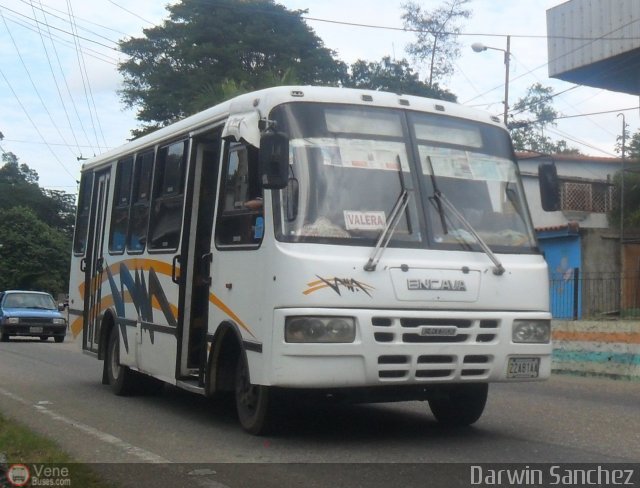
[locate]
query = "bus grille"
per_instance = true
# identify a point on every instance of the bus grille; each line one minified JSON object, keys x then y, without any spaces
{"x":434,"y":367}
{"x":411,"y":330}
{"x":431,"y":367}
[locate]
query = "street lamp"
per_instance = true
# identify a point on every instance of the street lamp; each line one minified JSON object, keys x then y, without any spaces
{"x":479,"y":47}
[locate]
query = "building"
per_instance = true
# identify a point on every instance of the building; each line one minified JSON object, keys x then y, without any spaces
{"x":596,"y":43}
{"x":583,"y":252}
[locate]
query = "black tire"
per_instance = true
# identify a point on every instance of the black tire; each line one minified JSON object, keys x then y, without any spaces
{"x":460,"y":405}
{"x":254,"y":403}
{"x":122,"y":379}
{"x":44,"y":338}
{"x":4,"y":337}
{"x":59,"y":338}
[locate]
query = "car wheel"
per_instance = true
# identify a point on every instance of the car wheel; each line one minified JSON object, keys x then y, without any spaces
{"x":122,"y":379}
{"x":460,"y":405}
{"x":58,"y":338}
{"x":254,"y":403}
{"x":44,"y":338}
{"x":4,"y":337}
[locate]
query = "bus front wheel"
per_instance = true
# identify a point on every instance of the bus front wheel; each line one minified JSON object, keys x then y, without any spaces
{"x":254,"y":403}
{"x":460,"y":405}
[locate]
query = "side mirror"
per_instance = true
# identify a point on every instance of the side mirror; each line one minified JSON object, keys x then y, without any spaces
{"x":549,"y":187}
{"x":274,"y":160}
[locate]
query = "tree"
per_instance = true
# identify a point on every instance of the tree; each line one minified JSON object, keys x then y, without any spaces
{"x":393,"y":76}
{"x":529,"y":133}
{"x":19,"y":188}
{"x":631,"y":183}
{"x":631,"y":145}
{"x":36,"y":228}
{"x":33,"y":255}
{"x":206,"y":49}
{"x":631,"y":201}
{"x":436,"y":32}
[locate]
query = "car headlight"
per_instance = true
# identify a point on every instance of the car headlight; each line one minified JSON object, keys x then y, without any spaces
{"x":320,"y":329}
{"x":531,"y":331}
{"x":13,"y":320}
{"x":59,"y":321}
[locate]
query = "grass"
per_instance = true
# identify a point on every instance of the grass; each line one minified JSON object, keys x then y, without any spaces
{"x":19,"y":445}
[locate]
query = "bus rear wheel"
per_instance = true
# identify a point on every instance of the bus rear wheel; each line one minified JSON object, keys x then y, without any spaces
{"x":254,"y":403}
{"x":123,"y":381}
{"x":460,"y":405}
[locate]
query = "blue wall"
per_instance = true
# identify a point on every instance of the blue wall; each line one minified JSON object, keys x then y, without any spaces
{"x":563,"y":254}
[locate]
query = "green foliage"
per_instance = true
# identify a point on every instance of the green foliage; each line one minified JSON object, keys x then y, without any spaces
{"x":631,"y":200}
{"x":36,"y":228}
{"x":631,"y":145}
{"x":436,"y":33}
{"x":537,"y":110}
{"x":393,"y":76}
{"x":34,"y":256}
{"x":205,"y":50}
{"x":19,"y":188}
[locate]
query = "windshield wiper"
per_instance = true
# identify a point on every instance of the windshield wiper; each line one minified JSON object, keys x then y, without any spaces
{"x":442,"y":199}
{"x":394,"y":217}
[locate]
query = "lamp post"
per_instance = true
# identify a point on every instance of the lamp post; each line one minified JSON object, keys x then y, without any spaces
{"x":479,"y":47}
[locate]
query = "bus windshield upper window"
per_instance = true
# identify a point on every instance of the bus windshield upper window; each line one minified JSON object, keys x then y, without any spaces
{"x":349,"y":165}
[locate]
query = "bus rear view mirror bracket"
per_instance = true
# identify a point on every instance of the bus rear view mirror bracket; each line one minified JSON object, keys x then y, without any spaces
{"x":549,"y":187}
{"x":292,"y":195}
{"x":274,"y":160}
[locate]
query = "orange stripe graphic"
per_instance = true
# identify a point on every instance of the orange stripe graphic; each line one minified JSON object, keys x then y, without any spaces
{"x":621,"y":337}
{"x":218,"y":303}
{"x":160,"y":267}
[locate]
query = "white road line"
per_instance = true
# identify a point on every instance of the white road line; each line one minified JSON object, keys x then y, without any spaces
{"x":141,"y":454}
{"x":138,"y":452}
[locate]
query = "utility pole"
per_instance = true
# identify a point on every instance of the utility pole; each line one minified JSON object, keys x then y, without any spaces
{"x":622,"y":281}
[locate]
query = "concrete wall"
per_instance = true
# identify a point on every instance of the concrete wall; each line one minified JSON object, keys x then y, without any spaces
{"x":602,"y":348}
{"x":600,"y":250}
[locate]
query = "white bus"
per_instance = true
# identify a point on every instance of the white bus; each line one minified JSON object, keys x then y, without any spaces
{"x":313,"y":241}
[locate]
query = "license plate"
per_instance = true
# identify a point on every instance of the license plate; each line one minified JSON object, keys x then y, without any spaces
{"x":36,"y":330}
{"x":523,"y":368}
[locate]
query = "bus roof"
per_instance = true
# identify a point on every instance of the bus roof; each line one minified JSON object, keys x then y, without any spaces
{"x":264,"y":100}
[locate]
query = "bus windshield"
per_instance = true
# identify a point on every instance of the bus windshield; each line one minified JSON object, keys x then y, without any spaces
{"x":348,"y":166}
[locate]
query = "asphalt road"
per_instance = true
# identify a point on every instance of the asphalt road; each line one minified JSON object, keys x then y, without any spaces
{"x":180,"y":439}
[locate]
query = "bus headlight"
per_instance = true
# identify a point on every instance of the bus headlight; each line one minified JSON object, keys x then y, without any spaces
{"x":320,"y":329}
{"x":531,"y":331}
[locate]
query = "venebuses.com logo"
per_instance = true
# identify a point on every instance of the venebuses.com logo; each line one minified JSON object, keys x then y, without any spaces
{"x":19,"y":475}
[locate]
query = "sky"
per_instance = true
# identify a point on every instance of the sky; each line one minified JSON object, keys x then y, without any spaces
{"x":58,"y":107}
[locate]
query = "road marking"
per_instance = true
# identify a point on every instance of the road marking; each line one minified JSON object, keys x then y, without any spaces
{"x":197,"y":477}
{"x":138,"y":452}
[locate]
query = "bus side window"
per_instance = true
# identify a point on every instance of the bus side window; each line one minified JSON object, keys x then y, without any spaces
{"x":140,"y":199}
{"x":240,"y":217}
{"x":82,"y":219}
{"x":165,"y":223}
{"x":120,"y":208}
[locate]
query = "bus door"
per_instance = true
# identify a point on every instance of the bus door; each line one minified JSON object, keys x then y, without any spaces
{"x":94,"y":264}
{"x":197,"y":255}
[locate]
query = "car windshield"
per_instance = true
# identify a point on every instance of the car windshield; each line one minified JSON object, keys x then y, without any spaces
{"x":29,"y":300}
{"x":349,"y":165}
